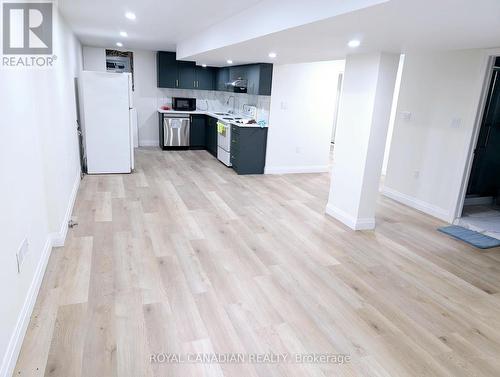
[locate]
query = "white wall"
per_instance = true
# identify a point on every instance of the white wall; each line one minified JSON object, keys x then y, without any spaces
{"x":337,"y":103}
{"x":364,"y":114}
{"x":301,"y":117}
{"x":428,"y":155}
{"x":40,"y":172}
{"x":94,"y":58}
{"x":393,"y":114}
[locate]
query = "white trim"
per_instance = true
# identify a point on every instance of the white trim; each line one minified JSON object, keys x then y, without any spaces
{"x":351,"y":221}
{"x":53,"y":240}
{"x":296,"y":169}
{"x":482,"y":94}
{"x":58,"y":238}
{"x":16,"y":340}
{"x":148,"y":143}
{"x":418,"y":204}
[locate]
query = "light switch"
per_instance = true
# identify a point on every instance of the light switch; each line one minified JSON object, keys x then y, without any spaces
{"x":406,"y":116}
{"x":456,"y":123}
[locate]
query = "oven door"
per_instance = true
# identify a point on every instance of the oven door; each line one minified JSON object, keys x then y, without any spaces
{"x":224,"y":136}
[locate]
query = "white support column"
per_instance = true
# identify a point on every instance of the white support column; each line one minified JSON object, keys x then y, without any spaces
{"x":364,"y":114}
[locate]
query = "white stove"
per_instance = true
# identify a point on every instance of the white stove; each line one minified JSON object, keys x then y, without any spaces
{"x":224,"y":142}
{"x":224,"y":131}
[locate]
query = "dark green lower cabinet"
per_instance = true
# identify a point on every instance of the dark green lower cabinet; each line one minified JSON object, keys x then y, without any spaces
{"x":248,"y":149}
{"x":197,"y":131}
{"x":211,"y":136}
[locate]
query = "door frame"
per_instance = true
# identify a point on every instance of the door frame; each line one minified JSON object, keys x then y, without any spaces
{"x":489,"y":61}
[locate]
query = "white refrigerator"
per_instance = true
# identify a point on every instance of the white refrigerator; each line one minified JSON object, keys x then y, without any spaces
{"x":107,"y":113}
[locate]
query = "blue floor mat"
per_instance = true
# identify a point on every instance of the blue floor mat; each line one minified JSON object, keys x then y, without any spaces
{"x":473,"y":238}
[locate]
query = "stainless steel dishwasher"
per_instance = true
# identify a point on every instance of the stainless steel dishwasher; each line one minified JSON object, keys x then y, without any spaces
{"x":176,"y":130}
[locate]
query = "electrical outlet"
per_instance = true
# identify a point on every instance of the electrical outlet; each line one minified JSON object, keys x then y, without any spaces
{"x":21,"y":254}
{"x":416,"y":174}
{"x":297,"y":150}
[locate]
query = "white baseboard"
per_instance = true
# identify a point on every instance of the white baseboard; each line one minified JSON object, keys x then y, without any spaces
{"x":148,"y":143}
{"x":351,"y":221}
{"x":16,"y":340}
{"x":418,"y":204}
{"x":53,"y":240}
{"x":58,"y":238}
{"x":296,"y":169}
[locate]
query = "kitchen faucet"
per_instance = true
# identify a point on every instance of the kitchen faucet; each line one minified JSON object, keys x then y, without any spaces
{"x":227,"y":103}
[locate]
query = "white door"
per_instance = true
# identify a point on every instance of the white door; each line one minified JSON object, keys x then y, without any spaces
{"x":105,"y":114}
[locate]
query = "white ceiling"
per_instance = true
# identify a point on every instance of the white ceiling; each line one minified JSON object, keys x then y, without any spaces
{"x":159,"y":25}
{"x":393,"y":26}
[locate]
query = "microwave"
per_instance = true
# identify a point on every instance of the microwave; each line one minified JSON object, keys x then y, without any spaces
{"x":183,"y":104}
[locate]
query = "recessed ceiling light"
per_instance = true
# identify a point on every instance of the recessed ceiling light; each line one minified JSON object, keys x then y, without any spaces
{"x":123,"y":34}
{"x":229,"y":61}
{"x":119,"y":44}
{"x":354,"y":43}
{"x":204,"y":65}
{"x":130,"y":15}
{"x":272,"y":55}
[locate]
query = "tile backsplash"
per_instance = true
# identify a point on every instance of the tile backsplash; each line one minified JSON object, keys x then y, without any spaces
{"x":208,"y":100}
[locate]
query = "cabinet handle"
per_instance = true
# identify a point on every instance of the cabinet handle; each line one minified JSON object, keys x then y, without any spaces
{"x":177,"y":83}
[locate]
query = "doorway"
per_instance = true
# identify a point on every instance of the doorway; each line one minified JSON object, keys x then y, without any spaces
{"x":481,"y":210}
{"x":336,"y":110}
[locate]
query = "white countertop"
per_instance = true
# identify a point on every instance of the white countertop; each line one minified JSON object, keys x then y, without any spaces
{"x":213,"y":115}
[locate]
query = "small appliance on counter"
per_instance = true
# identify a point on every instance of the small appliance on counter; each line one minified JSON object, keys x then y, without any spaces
{"x":183,"y":104}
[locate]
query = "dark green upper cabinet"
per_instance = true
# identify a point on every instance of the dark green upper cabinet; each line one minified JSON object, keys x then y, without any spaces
{"x":180,"y":74}
{"x":187,"y":75}
{"x":221,"y":78}
{"x":205,"y":78}
{"x":258,"y":76}
{"x":265,"y":79}
{"x":167,"y":70}
{"x":253,"y":77}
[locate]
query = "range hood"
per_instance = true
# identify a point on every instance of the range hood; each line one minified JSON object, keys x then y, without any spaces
{"x":238,"y":86}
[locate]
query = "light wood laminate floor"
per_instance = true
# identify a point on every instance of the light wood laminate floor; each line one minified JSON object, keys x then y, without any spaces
{"x":185,"y":257}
